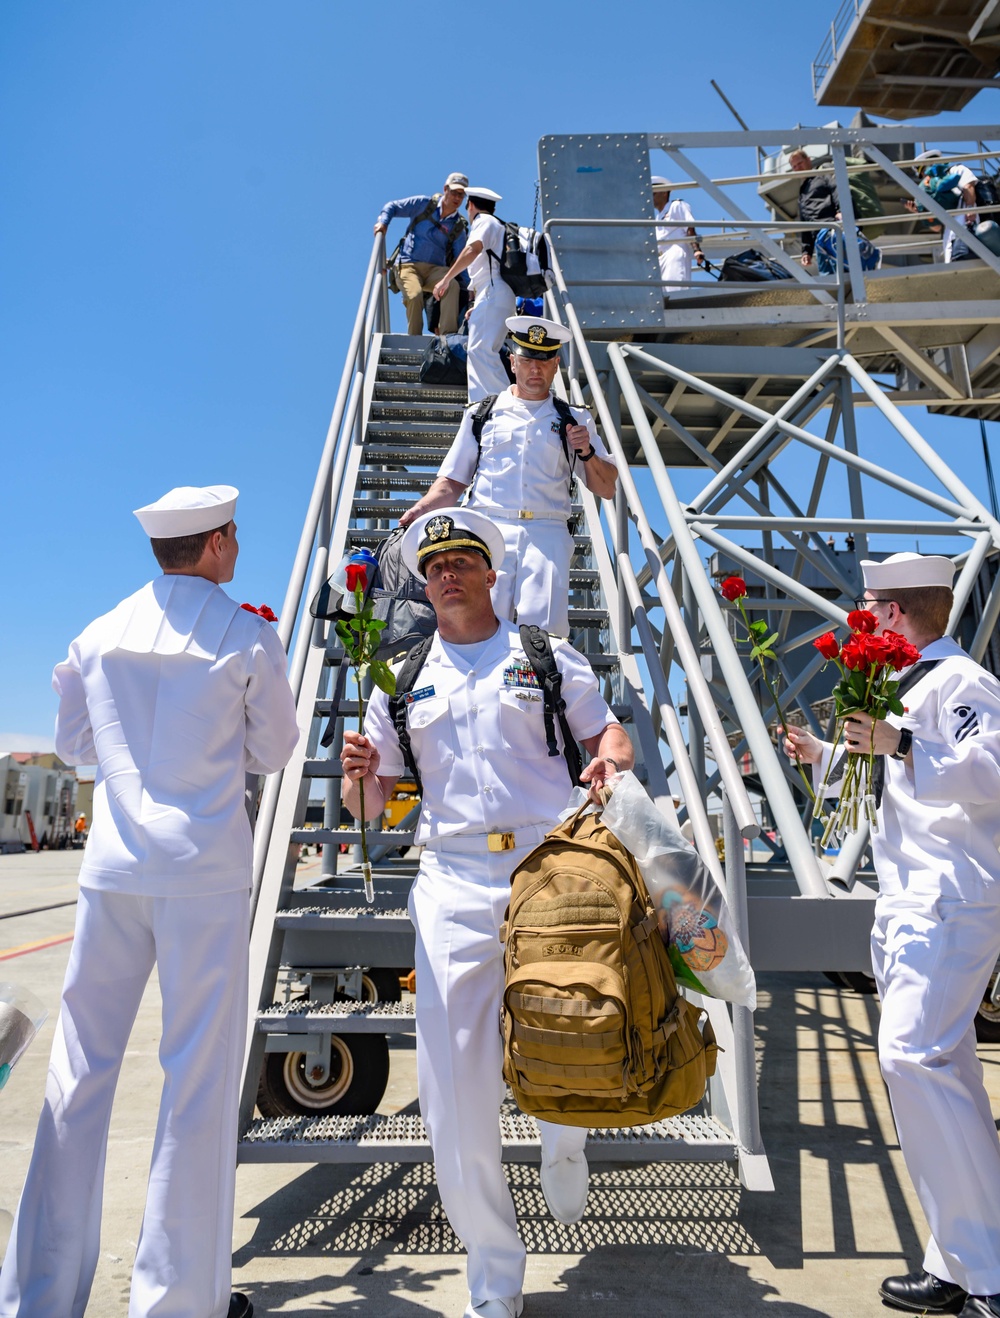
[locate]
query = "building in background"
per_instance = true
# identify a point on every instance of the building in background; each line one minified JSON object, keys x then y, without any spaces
{"x":39,"y":792}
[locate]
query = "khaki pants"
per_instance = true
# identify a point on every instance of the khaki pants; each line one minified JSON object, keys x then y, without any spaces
{"x":417,"y":278}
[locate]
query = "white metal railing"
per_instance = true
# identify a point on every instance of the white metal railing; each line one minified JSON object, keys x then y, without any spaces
{"x":834,"y":41}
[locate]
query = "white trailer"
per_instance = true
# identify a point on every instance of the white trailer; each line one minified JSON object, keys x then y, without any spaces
{"x":46,"y":793}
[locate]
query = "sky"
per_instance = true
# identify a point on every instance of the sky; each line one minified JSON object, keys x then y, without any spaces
{"x":188,"y":200}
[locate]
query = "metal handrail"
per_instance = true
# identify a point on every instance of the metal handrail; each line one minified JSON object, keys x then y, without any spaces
{"x":742,"y":807}
{"x":845,"y":17}
{"x":331,"y":465}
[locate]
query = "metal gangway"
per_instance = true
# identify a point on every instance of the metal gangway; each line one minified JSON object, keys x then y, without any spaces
{"x":710,"y":403}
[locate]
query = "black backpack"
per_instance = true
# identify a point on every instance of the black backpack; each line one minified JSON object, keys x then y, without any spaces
{"x":752,"y":267}
{"x":525,"y":260}
{"x":538,"y":650}
{"x":445,"y":360}
{"x":484,"y":410}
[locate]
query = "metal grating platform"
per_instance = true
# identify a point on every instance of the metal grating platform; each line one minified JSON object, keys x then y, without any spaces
{"x":348,"y":1017}
{"x":401,"y":1138}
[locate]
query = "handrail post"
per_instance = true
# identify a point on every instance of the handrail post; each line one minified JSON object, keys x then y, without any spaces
{"x":747,"y":1110}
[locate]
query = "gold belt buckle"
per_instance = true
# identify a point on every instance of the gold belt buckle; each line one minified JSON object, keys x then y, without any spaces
{"x":526,"y":515}
{"x":500,"y":841}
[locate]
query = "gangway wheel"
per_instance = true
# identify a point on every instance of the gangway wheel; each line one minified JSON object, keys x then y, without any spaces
{"x":359,"y":1073}
{"x":359,"y":1066}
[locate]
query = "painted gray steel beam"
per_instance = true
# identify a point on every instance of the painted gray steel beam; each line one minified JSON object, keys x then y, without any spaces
{"x":777,"y":790}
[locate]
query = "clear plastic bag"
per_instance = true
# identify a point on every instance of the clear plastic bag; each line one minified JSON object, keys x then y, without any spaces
{"x":21,"y":1017}
{"x":695,"y":922}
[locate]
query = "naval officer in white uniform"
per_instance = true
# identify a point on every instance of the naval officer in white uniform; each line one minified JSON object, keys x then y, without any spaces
{"x":937,"y":932}
{"x":494,"y":299}
{"x":520,"y":477}
{"x":490,"y":793}
{"x":175,"y":695}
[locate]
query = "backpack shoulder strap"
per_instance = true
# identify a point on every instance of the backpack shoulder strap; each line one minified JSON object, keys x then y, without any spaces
{"x":406,"y":679}
{"x":481,"y":415}
{"x":425,"y":213}
{"x":566,"y":419}
{"x":538,"y":647}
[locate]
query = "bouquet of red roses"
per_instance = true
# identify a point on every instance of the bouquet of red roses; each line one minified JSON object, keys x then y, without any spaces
{"x":868,"y":665}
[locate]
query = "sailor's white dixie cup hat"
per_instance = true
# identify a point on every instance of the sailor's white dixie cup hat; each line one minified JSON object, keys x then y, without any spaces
{"x":534,"y":336}
{"x":906,"y":571}
{"x":187,"y":510}
{"x":486,"y":193}
{"x":451,"y":528}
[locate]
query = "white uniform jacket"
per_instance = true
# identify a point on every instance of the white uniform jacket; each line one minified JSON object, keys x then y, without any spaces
{"x":478,"y":736}
{"x":522,"y":465}
{"x":676,"y":258}
{"x":485,"y":269}
{"x":175,"y":694}
{"x":940,"y":817}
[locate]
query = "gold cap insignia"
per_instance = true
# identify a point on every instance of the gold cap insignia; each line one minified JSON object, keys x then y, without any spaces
{"x":536,"y":335}
{"x":439,"y":528}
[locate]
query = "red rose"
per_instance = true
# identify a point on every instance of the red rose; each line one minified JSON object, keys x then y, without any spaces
{"x":357,"y":576}
{"x":853,"y":655}
{"x":901,"y":653}
{"x":827,"y":645}
{"x":733,"y":588}
{"x":860,"y":620}
{"x":265,"y":612}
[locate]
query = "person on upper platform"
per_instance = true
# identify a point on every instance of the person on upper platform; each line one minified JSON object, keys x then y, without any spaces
{"x":493,"y":299}
{"x":520,"y":473}
{"x":676,"y":256}
{"x":436,"y":235}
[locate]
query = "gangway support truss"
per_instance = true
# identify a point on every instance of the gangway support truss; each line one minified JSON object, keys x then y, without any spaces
{"x":325,"y":966}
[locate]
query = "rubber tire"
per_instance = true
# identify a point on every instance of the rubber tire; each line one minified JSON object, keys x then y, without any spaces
{"x":988,"y":1018}
{"x":856,"y":980}
{"x":359,"y":1073}
{"x":383,"y":982}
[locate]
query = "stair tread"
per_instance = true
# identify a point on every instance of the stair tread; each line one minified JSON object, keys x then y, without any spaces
{"x":350,"y":1017}
{"x":401,"y":1137}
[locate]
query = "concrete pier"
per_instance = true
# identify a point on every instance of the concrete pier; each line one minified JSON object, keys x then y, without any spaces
{"x":667,"y":1238}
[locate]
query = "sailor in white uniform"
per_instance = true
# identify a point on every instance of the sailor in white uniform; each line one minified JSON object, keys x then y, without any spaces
{"x":677,"y":257}
{"x":490,"y":793}
{"x":494,"y":299}
{"x":520,"y":476}
{"x":175,"y":695}
{"x":937,"y":931}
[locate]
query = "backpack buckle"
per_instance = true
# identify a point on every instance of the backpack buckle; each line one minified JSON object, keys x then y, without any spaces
{"x":500,"y":841}
{"x":526,"y":515}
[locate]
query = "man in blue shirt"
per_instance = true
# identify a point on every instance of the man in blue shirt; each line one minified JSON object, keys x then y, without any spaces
{"x":435,"y":236}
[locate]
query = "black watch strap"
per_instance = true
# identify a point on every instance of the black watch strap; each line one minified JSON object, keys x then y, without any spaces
{"x":905,"y":742}
{"x":585,"y":457}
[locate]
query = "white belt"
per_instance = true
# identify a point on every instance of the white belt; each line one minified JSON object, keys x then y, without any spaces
{"x":522,"y":515}
{"x":481,"y":842}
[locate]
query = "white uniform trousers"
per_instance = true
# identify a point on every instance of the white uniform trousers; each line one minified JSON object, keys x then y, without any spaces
{"x":533,"y":583}
{"x":933,"y":960}
{"x":487,"y":332}
{"x":457,"y":905}
{"x":183,"y":1264}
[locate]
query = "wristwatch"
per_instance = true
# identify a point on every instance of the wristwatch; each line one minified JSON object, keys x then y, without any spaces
{"x":585,"y":457}
{"x":905,"y":742}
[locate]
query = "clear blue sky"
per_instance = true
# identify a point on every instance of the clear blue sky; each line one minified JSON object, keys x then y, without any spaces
{"x":189,"y":189}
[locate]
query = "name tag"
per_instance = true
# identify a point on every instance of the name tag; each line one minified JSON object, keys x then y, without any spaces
{"x":412,"y":697}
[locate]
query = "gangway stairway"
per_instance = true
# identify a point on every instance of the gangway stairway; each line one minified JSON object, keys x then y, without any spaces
{"x":328,"y":1047}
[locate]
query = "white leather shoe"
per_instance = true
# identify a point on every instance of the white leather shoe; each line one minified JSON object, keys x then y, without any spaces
{"x":565,"y":1184}
{"x":499,"y":1308}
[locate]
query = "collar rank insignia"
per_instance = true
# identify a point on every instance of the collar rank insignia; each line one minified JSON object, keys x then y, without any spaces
{"x":536,"y":335}
{"x":438,"y":528}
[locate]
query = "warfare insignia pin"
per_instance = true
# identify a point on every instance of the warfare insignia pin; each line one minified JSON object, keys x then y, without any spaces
{"x":439,"y":528}
{"x":536,"y":335}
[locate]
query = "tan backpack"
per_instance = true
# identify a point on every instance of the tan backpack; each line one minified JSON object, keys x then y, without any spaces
{"x":595,"y":1033}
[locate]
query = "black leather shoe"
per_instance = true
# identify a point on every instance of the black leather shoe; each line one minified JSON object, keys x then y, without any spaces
{"x":981,"y":1306}
{"x":240,"y":1306}
{"x":920,"y":1292}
